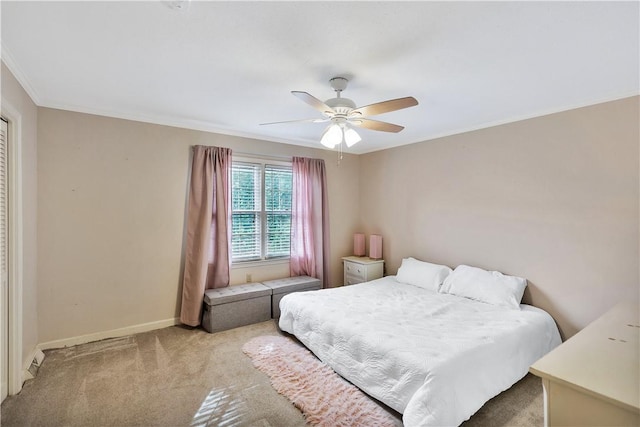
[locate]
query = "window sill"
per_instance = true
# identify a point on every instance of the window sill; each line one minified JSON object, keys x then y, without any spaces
{"x":263,"y":263}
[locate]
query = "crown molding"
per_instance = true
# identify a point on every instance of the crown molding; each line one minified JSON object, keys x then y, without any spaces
{"x":12,"y":65}
{"x":179,"y":123}
{"x":514,"y":119}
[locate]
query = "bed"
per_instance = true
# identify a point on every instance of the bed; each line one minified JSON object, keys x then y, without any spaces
{"x":432,"y":352}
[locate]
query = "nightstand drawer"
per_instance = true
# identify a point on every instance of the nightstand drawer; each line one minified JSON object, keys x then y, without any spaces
{"x":361,"y":269}
{"x":355,"y":271}
{"x":352,"y":280}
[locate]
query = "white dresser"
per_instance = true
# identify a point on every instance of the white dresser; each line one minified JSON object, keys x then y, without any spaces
{"x":361,"y":269}
{"x":593,"y":379}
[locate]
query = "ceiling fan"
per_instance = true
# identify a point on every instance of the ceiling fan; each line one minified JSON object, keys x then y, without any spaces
{"x":343,"y":113}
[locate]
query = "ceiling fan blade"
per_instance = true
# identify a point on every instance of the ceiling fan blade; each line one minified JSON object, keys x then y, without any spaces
{"x":376,"y":125}
{"x":385,"y":106}
{"x":298,"y":121}
{"x":314,"y":102}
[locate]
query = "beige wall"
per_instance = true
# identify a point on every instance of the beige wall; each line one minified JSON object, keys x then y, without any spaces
{"x":111,"y":204}
{"x":16,"y":99}
{"x":553,"y":199}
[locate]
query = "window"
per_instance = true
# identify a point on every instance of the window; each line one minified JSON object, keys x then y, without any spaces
{"x":260,"y":210}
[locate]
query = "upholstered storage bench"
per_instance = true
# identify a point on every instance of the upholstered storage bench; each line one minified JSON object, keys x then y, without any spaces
{"x":281,"y":287}
{"x":234,"y":306}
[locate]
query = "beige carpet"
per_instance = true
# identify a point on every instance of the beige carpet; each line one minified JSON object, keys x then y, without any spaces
{"x":183,"y":377}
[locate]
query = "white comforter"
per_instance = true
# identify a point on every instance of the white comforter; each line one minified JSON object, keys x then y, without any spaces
{"x":436,"y":358}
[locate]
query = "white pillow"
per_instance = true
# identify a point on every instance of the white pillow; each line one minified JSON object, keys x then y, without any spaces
{"x":491,"y":287}
{"x":422,"y":274}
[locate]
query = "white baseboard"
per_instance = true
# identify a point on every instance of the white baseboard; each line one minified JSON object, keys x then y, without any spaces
{"x":113,"y":333}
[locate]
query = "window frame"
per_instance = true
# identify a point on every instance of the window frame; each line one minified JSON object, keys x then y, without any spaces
{"x":263,"y":260}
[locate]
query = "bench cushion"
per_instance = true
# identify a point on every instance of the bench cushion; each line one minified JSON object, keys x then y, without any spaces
{"x":292,"y":284}
{"x":235,"y":293}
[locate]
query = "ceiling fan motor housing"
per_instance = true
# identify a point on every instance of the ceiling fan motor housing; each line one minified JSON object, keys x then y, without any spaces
{"x":341,"y":106}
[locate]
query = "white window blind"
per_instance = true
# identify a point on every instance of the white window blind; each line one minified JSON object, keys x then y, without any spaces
{"x":261,"y":211}
{"x":246,"y":230}
{"x":278,"y":210}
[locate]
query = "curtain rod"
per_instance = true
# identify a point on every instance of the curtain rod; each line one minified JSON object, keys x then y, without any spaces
{"x":262,"y":156}
{"x":258,"y":156}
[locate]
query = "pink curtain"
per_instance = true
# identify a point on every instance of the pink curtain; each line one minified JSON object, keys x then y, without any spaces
{"x":206,"y":262}
{"x":310,"y":220}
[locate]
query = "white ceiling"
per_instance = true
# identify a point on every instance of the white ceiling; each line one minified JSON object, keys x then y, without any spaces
{"x":229,"y":66}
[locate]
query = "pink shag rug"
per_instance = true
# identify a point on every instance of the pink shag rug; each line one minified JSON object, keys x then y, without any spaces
{"x":324,"y":397}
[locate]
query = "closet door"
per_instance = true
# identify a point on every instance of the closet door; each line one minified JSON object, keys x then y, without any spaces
{"x":4,"y":270}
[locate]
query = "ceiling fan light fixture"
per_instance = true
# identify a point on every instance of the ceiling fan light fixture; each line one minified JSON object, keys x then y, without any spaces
{"x":332,"y":136}
{"x":351,"y":137}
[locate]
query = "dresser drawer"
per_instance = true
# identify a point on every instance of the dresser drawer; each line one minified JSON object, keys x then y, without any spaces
{"x":355,"y":271}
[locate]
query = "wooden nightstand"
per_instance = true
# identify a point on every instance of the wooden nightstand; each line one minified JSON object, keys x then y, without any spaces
{"x":361,"y":269}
